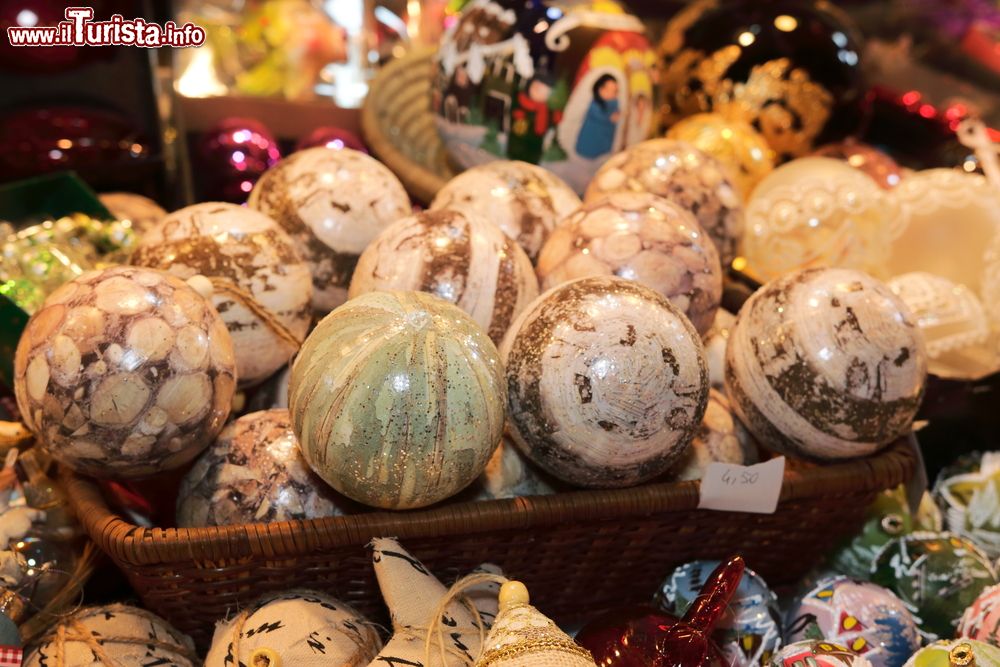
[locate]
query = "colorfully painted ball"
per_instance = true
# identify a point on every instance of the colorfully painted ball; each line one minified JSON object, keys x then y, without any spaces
{"x":981,"y":620}
{"x":254,"y":473}
{"x":956,"y":652}
{"x":970,"y":499}
{"x":817,"y":653}
{"x":686,"y":176}
{"x":262,"y":287}
{"x":125,"y":372}
{"x":825,"y":364}
{"x":459,"y":257}
{"x":866,"y":618}
{"x":332,"y":203}
{"x":721,"y":438}
{"x":641,"y":237}
{"x":936,"y":575}
{"x":397,"y":399}
{"x":524,"y":201}
{"x":607,"y":382}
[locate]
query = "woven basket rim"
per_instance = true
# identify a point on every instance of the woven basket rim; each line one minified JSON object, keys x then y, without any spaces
{"x":131,"y":544}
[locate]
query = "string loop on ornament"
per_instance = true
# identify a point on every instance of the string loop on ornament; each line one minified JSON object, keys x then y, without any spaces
{"x":458,"y":593}
{"x":229,"y":288}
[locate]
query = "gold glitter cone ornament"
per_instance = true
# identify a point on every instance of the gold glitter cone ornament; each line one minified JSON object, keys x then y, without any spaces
{"x":524,"y":637}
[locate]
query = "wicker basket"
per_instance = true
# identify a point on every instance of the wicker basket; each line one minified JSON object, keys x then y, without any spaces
{"x":580,"y":553}
{"x":399,"y":127}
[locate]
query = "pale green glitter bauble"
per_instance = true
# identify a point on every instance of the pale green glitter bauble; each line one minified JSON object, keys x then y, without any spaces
{"x":397,"y":399}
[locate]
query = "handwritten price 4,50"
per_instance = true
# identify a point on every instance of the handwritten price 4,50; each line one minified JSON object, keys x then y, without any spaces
{"x":742,"y":477}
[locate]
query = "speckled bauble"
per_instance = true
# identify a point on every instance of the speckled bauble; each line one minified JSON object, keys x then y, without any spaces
{"x":524,"y":201}
{"x":125,"y":372}
{"x":877,"y":164}
{"x":460,"y":257}
{"x":936,"y":575}
{"x":141,"y":211}
{"x":970,"y":500}
{"x":641,"y":237}
{"x":981,"y":619}
{"x":956,"y":653}
{"x":866,"y":618}
{"x":261,"y":284}
{"x":683,"y":174}
{"x":558,"y":83}
{"x":253,"y":473}
{"x":749,"y":632}
{"x":788,"y":67}
{"x":733,"y":142}
{"x":825,"y":364}
{"x":397,"y":399}
{"x":300,"y":628}
{"x":332,"y":203}
{"x":721,"y":438}
{"x":814,"y":212}
{"x":817,"y":653}
{"x":124,"y":635}
{"x":607,"y":382}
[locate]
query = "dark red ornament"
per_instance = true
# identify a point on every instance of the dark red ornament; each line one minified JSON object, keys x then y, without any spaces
{"x":647,"y":637}
{"x":231,"y":156}
{"x":331,"y":137}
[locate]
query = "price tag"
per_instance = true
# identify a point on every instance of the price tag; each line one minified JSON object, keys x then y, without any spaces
{"x":734,"y":488}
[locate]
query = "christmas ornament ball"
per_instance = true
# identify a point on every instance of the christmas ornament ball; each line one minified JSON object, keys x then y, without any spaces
{"x":125,"y":372}
{"x":821,"y":653}
{"x":641,"y":237}
{"x":686,"y":176}
{"x":142,"y":212}
{"x":253,"y":473}
{"x":556,"y":83}
{"x":952,"y":652}
{"x":261,"y":285}
{"x":867,"y":618}
{"x":981,"y":619}
{"x":721,"y":438}
{"x":868,"y":159}
{"x":114,"y":634}
{"x":231,"y":156}
{"x":969,"y":495}
{"x":332,"y":203}
{"x":525,"y":201}
{"x":825,"y":364}
{"x":397,"y":399}
{"x":459,"y":257}
{"x":607,"y":382}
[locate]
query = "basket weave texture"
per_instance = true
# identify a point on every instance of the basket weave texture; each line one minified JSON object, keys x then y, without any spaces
{"x":579,"y":553}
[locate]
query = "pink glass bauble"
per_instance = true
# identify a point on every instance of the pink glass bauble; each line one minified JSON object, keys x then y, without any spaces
{"x":331,"y":137}
{"x":231,"y":156}
{"x":882,"y":168}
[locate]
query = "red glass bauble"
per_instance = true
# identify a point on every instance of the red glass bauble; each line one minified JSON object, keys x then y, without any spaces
{"x":231,"y":156}
{"x":331,"y":137}
{"x":882,"y":168}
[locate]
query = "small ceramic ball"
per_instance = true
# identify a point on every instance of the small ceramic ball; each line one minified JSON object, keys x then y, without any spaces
{"x":814,"y":212}
{"x":332,"y":203}
{"x":255,"y":268}
{"x":460,"y":257}
{"x":936,"y":575}
{"x":125,"y":372}
{"x":734,"y":143}
{"x":525,"y":201}
{"x":969,"y":499}
{"x":641,"y":237}
{"x":950,"y":652}
{"x":749,"y":632}
{"x":981,"y":620}
{"x":818,"y":652}
{"x":825,"y":364}
{"x":877,"y":164}
{"x":253,"y":473}
{"x":302,"y":626}
{"x":866,"y":618}
{"x":142,"y":212}
{"x":678,"y":171}
{"x":397,"y":399}
{"x":721,"y":438}
{"x":122,"y":632}
{"x":607,"y":382}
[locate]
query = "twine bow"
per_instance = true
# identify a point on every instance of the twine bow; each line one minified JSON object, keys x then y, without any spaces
{"x":457,"y":593}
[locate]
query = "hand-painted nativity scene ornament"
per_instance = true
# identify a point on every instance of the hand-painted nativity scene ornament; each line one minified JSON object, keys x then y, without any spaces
{"x":790,"y":68}
{"x":560,"y":84}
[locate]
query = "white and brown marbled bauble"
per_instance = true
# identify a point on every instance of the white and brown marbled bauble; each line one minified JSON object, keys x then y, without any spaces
{"x":607,"y":382}
{"x":686,"y":176}
{"x":125,"y":372}
{"x":256,"y":268}
{"x":721,"y":438}
{"x":460,"y":257}
{"x":641,"y":237}
{"x":254,"y":473}
{"x":715,"y":342}
{"x":825,"y":364}
{"x":142,"y":212}
{"x":333,"y":203}
{"x":524,"y":200}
